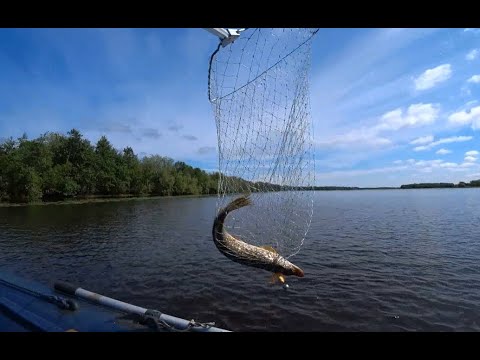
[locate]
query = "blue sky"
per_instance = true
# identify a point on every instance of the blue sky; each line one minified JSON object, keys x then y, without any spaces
{"x":390,"y":106}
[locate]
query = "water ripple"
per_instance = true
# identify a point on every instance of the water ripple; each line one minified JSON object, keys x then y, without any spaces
{"x":374,"y":261}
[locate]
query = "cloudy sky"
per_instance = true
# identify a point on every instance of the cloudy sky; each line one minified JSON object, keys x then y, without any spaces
{"x":390,"y":106}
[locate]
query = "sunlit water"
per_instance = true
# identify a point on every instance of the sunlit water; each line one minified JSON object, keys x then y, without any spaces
{"x":391,"y":260}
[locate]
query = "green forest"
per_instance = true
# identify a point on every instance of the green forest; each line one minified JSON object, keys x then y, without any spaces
{"x":461,"y":184}
{"x":56,"y":167}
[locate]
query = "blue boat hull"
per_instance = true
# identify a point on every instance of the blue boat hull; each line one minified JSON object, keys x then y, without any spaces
{"x":27,"y":306}
{"x":22,"y":311}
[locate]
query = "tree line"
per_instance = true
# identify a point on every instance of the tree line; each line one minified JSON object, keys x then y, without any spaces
{"x":461,"y":184}
{"x":57,"y":167}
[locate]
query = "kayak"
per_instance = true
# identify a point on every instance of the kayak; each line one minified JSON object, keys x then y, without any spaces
{"x":27,"y":306}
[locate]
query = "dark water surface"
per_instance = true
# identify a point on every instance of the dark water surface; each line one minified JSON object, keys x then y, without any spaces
{"x":392,"y":260}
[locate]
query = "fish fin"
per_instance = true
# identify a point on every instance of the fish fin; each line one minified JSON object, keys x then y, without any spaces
{"x":269,"y":248}
{"x":274,"y":279}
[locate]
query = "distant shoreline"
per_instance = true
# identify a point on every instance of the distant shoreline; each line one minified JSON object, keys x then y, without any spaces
{"x":108,"y":199}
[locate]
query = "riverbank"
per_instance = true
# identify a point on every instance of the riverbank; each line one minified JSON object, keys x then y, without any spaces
{"x":99,"y":199}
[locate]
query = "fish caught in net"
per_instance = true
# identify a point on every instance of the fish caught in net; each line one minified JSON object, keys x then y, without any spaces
{"x":259,"y":91}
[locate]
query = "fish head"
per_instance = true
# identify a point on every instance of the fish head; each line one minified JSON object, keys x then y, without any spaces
{"x":297,"y":271}
{"x":285,"y":267}
{"x":291,"y":269}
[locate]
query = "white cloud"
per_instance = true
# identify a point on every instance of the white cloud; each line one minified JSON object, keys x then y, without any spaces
{"x":440,"y":164}
{"x":466,"y":117}
{"x":415,"y":115}
{"x":472,"y":30}
{"x":472,"y":55}
{"x":428,"y":162}
{"x":361,"y":138}
{"x":432,"y":77}
{"x":422,"y":140}
{"x":451,"y":139}
{"x":475,"y":79}
{"x":357,"y":57}
{"x":426,"y":170}
{"x":448,"y":140}
{"x":443,"y":152}
{"x":448,"y":165}
{"x":361,"y":172}
{"x":408,"y":168}
{"x":470,"y":156}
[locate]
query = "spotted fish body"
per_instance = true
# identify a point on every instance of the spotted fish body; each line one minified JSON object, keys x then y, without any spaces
{"x":265,"y":258}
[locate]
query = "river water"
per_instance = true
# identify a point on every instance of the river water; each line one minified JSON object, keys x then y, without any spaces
{"x":387,"y":260}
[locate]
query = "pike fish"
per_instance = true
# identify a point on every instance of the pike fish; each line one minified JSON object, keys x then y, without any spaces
{"x":262,"y":257}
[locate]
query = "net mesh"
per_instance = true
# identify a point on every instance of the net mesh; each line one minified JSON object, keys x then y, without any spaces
{"x":259,"y":90}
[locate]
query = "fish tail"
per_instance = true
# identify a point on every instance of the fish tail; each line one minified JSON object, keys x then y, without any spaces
{"x":236,"y":204}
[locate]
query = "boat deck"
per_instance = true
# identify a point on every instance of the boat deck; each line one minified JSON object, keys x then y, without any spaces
{"x":22,"y":311}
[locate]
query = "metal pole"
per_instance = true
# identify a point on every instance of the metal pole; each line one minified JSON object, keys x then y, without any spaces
{"x":226,"y":36}
{"x":219,"y":32}
{"x":178,"y":323}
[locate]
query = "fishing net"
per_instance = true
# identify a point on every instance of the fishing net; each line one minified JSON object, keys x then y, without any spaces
{"x":259,"y":90}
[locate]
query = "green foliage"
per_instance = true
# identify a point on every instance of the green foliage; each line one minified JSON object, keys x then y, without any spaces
{"x":432,"y":185}
{"x":475,"y":183}
{"x":57,"y":167}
